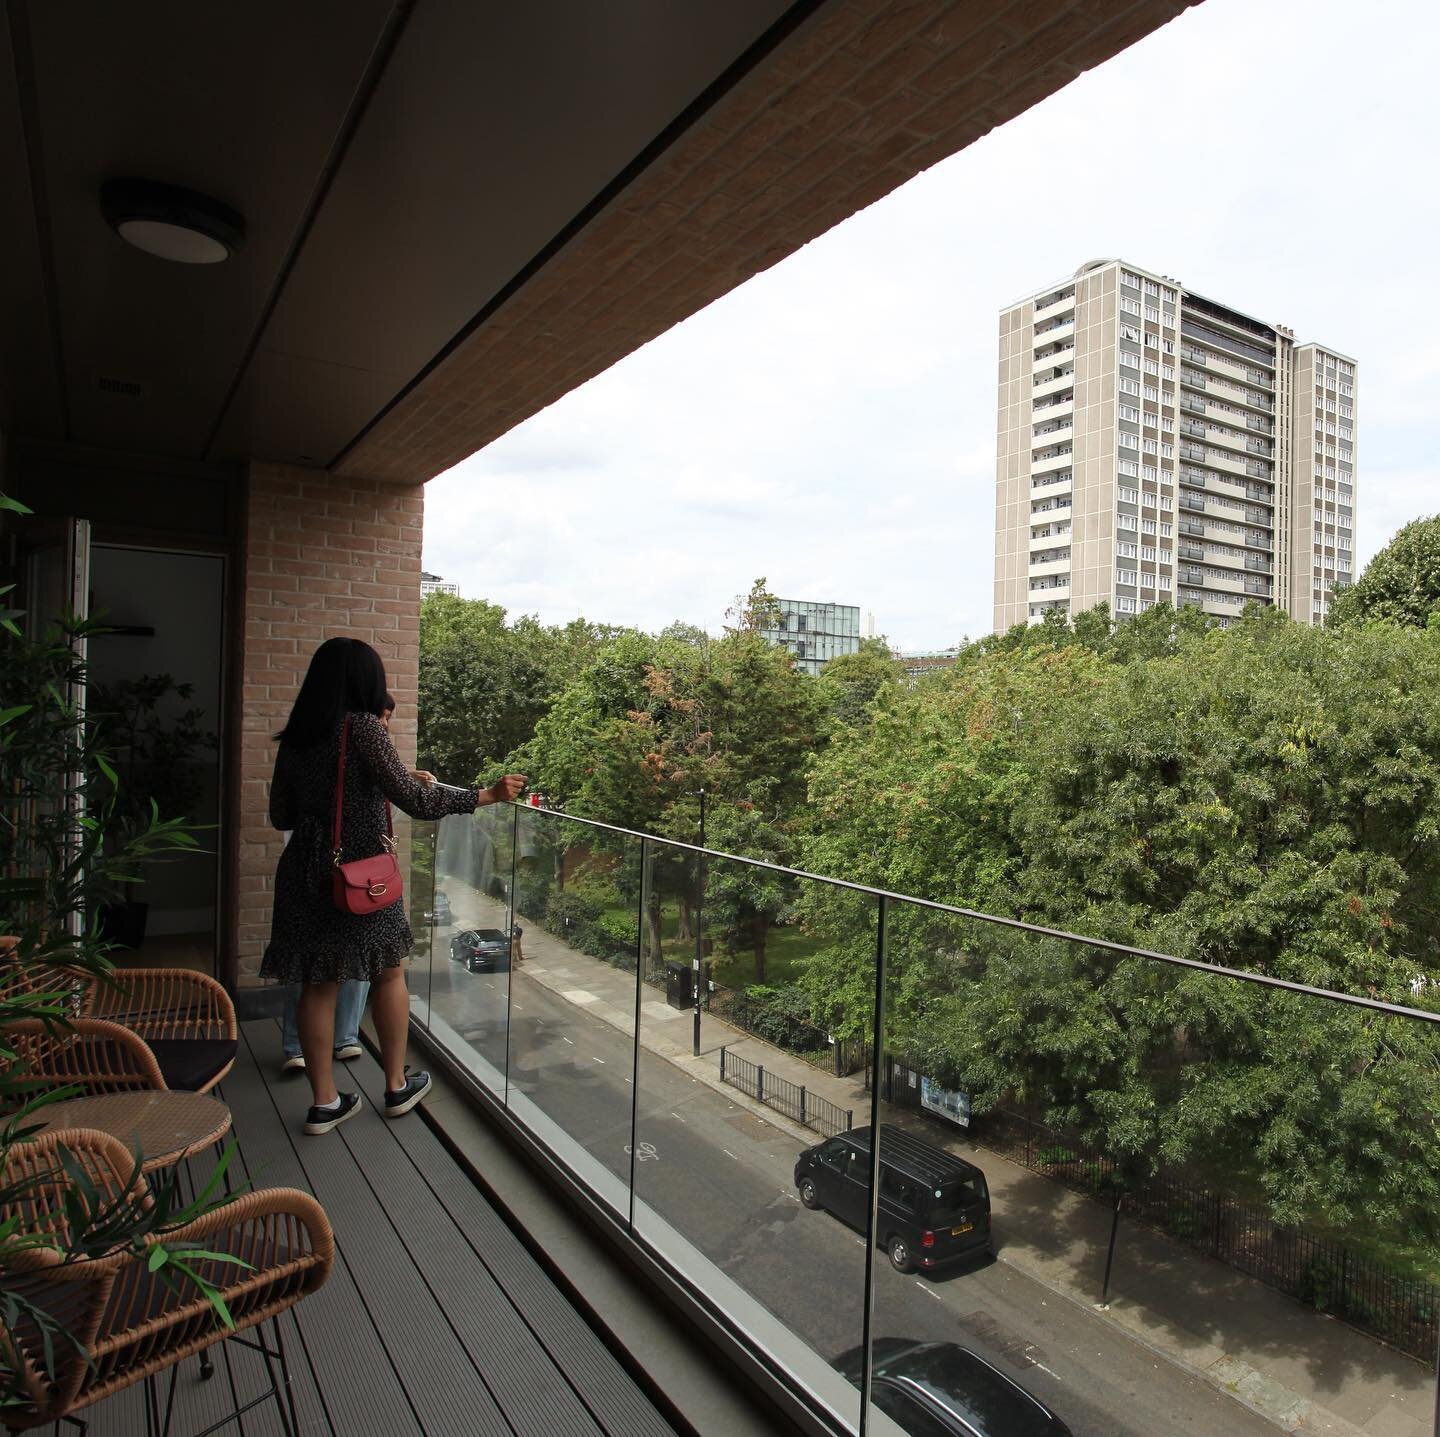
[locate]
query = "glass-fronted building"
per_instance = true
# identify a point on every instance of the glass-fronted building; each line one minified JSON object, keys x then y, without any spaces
{"x":815,"y":633}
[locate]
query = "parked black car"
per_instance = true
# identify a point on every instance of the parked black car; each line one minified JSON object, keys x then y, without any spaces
{"x":934,"y":1206}
{"x":484,"y":950}
{"x":938,"y":1389}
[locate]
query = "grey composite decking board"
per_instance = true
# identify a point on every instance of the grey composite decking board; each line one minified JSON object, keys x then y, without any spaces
{"x":512,"y":1365}
{"x":239,"y":1373}
{"x":237,"y":1368}
{"x":485,"y":1318}
{"x":435,"y":1318}
{"x":444,"y":1387}
{"x":361,"y":1389}
{"x":612,"y":1395}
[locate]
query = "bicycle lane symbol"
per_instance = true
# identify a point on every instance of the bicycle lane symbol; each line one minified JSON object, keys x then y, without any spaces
{"x":646,"y":1153}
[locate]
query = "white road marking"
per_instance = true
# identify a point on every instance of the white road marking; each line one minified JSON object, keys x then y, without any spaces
{"x":594,"y":1059}
{"x":1043,"y":1368}
{"x":729,"y":1154}
{"x":923,"y":1288}
{"x":568,"y":1040}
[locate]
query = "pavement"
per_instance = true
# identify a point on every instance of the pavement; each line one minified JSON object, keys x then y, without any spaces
{"x":1304,"y":1371}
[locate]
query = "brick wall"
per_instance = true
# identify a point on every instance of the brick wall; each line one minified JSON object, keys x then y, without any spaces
{"x":322,"y":556}
{"x":862,"y":97}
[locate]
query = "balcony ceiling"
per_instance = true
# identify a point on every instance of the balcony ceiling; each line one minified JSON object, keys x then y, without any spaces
{"x":454,"y":211}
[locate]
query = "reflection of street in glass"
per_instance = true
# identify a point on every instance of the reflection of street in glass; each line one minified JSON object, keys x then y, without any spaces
{"x":726,"y":1182}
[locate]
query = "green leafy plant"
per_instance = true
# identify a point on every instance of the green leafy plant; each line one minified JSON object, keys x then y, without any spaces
{"x":66,"y":841}
{"x":153,"y":754}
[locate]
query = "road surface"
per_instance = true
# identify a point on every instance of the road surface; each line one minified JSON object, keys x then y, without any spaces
{"x":723,"y":1177}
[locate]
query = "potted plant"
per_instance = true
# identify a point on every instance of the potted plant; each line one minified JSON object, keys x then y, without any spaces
{"x":155,"y":772}
{"x":64,"y":839}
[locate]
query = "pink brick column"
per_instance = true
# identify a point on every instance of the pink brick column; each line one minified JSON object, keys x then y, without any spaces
{"x":324,"y":555}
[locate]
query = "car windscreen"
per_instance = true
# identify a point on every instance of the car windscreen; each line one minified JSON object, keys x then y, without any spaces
{"x":908,"y":1414}
{"x":974,"y":1391}
{"x":488,"y":935}
{"x":957,"y":1201}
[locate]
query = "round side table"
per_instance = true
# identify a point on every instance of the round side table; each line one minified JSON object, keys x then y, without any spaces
{"x":166,"y":1127}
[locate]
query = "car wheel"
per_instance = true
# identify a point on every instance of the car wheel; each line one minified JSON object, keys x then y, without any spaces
{"x":808,"y":1195}
{"x":899,"y":1251}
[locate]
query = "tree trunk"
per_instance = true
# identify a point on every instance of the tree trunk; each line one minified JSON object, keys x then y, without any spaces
{"x":652,"y":921}
{"x":685,"y":930}
{"x":759,"y":932}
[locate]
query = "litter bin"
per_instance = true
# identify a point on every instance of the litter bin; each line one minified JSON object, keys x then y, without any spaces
{"x":679,"y":985}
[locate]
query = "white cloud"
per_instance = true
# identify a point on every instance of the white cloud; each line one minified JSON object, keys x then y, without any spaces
{"x":830,"y":424}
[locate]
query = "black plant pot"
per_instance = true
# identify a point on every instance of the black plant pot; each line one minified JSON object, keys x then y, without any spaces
{"x":123,"y":924}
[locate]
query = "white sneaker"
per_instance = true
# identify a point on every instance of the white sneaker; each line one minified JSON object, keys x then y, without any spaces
{"x":348,"y":1052}
{"x":293,"y":1065}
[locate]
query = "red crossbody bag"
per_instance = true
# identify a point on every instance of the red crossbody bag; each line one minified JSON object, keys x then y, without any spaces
{"x":364,"y":885}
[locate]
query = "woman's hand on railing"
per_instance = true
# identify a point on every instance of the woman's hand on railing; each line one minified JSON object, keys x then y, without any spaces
{"x":503,"y":790}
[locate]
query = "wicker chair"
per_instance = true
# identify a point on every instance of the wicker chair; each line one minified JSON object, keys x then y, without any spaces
{"x":86,"y":1053}
{"x":128,"y":1323}
{"x":185,"y":1019}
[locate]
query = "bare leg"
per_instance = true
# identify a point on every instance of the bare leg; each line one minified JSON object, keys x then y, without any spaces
{"x":316,"y":1016}
{"x":390,"y":1008}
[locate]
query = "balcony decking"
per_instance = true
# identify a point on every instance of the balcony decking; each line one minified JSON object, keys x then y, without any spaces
{"x":436,"y":1320}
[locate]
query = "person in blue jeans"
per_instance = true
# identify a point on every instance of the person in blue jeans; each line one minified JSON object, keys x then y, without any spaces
{"x":349,"y":1006}
{"x":352,"y":995}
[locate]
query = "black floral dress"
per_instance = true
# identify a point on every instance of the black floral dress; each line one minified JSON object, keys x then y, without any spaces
{"x":312,"y":941}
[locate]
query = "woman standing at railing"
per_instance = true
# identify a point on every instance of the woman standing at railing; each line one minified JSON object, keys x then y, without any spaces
{"x":353,"y":992}
{"x":335,"y":776}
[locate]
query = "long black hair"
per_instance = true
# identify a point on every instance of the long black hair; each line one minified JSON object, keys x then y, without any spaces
{"x":345,"y":676}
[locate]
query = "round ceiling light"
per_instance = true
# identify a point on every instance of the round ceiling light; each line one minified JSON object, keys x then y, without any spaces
{"x":170,"y":222}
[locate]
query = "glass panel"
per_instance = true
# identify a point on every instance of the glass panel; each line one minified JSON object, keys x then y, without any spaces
{"x":415,"y":852}
{"x":470,"y":956}
{"x":743,"y":1177}
{"x":1269,"y":1151}
{"x":1210,"y":1171}
{"x":572,"y":997}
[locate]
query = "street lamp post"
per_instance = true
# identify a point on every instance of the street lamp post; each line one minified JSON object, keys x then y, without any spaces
{"x":699,"y":921}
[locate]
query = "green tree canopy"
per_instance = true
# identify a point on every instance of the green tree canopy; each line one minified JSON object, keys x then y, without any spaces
{"x":850,"y":682}
{"x":1266,"y":798}
{"x":649,"y":722}
{"x":1401,"y":584}
{"x":485,"y":683}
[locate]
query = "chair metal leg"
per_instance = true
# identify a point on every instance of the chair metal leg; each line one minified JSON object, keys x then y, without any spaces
{"x":152,"y":1410}
{"x":280,"y":1385}
{"x":170,"y":1401}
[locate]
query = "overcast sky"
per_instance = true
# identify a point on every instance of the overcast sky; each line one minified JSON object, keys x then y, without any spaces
{"x":831,"y":424}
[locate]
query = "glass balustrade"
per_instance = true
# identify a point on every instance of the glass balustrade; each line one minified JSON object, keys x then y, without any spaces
{"x":1076,"y":1139}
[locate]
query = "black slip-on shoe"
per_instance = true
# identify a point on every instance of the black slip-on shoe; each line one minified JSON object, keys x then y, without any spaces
{"x":321,"y":1120}
{"x":403,"y":1099}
